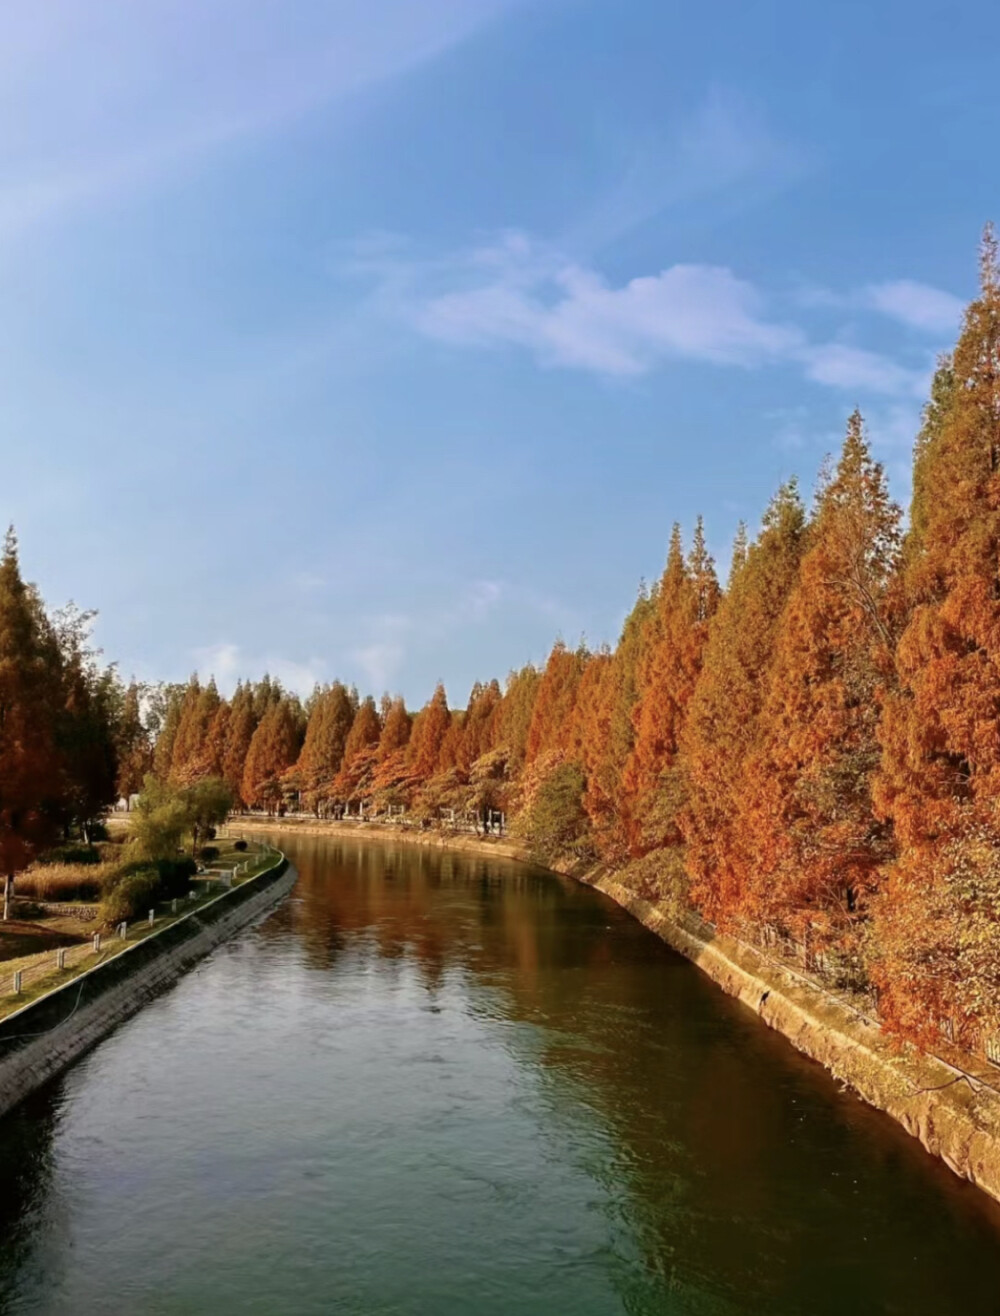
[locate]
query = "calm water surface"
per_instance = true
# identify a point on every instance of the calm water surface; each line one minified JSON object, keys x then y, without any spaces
{"x":439,"y":1084}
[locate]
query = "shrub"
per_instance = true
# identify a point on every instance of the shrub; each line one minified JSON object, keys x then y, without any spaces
{"x":131,"y":896}
{"x":208,"y":853}
{"x":555,"y":824}
{"x":239,"y":845}
{"x":659,"y":877}
{"x":97,"y":832}
{"x":173,"y":875}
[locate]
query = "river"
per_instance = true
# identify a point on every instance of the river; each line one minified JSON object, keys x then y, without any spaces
{"x":437,"y":1083}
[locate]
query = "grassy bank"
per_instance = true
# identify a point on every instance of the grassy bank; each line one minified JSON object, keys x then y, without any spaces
{"x":40,"y":972}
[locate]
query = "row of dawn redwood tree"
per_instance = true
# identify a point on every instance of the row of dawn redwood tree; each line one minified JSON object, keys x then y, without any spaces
{"x":812,"y":752}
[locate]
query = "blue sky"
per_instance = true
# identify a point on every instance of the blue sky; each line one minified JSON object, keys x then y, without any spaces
{"x":386,"y":340}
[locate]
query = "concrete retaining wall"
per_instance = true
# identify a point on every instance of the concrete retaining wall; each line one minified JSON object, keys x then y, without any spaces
{"x":39,"y":1041}
{"x":955,"y":1117}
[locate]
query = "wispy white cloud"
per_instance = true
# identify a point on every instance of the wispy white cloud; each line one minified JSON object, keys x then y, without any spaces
{"x":724,"y":148}
{"x":850,"y":368}
{"x":228,"y":662}
{"x":484,"y":596}
{"x":379,"y":662}
{"x":519,"y":293}
{"x":568,"y":315}
{"x":97,"y":100}
{"x":917,"y":305}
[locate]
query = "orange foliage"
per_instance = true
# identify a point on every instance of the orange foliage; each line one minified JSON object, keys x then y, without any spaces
{"x":939,"y":781}
{"x":273,"y":750}
{"x":816,"y":847}
{"x":668,"y":668}
{"x":818,"y":750}
{"x":30,"y":765}
{"x":430,"y":728}
{"x":555,"y":702}
{"x":722,"y":728}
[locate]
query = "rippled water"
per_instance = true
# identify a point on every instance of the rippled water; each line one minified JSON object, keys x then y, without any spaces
{"x":438,"y":1084}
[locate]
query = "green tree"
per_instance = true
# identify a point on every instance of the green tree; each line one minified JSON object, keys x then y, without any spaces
{"x":554,"y":823}
{"x":87,"y":727}
{"x":133,"y":752}
{"x":206,"y":804}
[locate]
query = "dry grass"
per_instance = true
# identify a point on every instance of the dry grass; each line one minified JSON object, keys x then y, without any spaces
{"x":65,"y":882}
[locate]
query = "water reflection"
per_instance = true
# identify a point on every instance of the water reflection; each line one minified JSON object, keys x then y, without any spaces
{"x":739,"y":1167}
{"x":438,"y":1083}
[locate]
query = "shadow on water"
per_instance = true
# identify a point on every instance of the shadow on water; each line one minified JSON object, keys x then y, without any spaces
{"x":441,"y":1083}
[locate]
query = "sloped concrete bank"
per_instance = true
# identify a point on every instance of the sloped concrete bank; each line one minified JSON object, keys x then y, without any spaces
{"x":39,"y":1041}
{"x":955,"y":1117}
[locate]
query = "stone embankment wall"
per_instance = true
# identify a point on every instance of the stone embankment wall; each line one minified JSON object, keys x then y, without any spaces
{"x":39,"y":1041}
{"x":955,"y":1116}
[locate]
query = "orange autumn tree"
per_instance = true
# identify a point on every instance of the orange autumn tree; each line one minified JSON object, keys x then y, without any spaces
{"x":479,"y":724}
{"x":31,"y":783}
{"x":185,"y":743}
{"x":722,"y":726}
{"x":273,"y":749}
{"x":938,"y":925}
{"x":652,"y":782}
{"x":816,"y":846}
{"x":331,"y":716}
{"x":198,"y":709}
{"x":430,"y":727}
{"x":213,"y":755}
{"x":239,"y":735}
{"x":609,"y":731}
{"x":513,"y":718}
{"x":392,"y":775}
{"x":355,"y":778}
{"x":555,"y":701}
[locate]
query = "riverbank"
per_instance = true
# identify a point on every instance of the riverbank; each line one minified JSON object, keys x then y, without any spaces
{"x":953,"y":1114}
{"x":41,"y":1039}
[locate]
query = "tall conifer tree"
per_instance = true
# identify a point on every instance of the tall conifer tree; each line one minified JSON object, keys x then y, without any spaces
{"x":817,"y":847}
{"x":722,"y":725}
{"x":938,"y":927}
{"x":31,"y":780}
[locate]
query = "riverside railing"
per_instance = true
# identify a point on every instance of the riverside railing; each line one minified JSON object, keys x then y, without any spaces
{"x":15,"y":983}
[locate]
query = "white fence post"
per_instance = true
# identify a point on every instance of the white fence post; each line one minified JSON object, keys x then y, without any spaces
{"x":97,"y":942}
{"x":123,"y":930}
{"x":61,"y":957}
{"x":152,"y":917}
{"x":17,"y":982}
